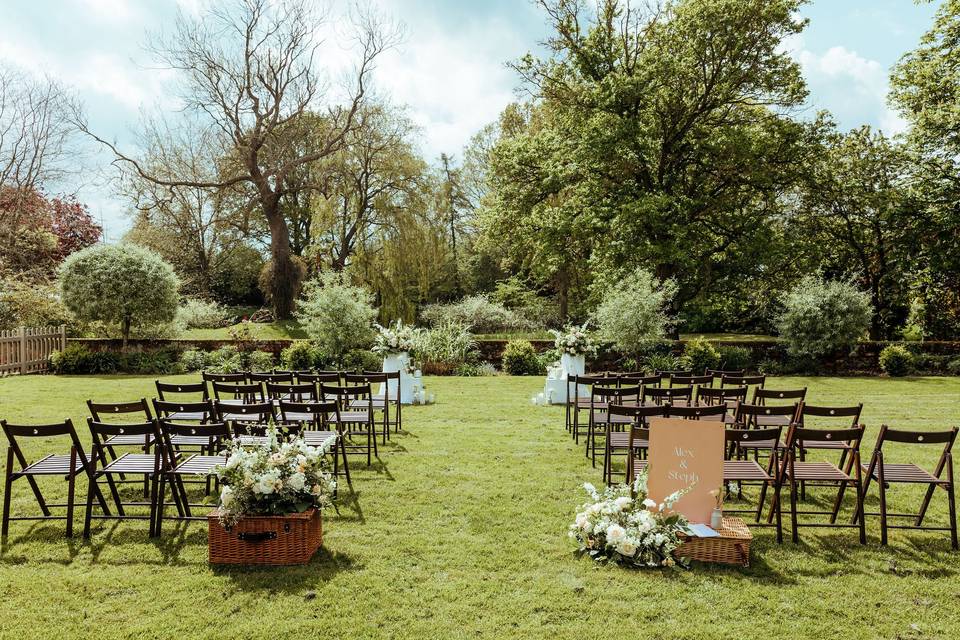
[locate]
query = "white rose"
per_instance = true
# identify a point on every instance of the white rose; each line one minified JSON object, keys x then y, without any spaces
{"x":627,"y":548}
{"x":266,"y":483}
{"x":615,"y":533}
{"x":297,"y":481}
{"x":623,"y":502}
{"x":650,"y":504}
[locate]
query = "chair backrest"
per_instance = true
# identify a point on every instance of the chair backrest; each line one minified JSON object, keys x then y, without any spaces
{"x":639,"y":414}
{"x":659,"y":395}
{"x":166,"y":408}
{"x":139,"y":410}
{"x":258,"y":412}
{"x":14,"y":432}
{"x":300,"y":392}
{"x":248,"y":392}
{"x":639,"y":380}
{"x":748,"y":414}
{"x":209,"y":376}
{"x":101,"y":431}
{"x":746,"y":436}
{"x":743,"y":381}
{"x":276,"y":376}
{"x":322,"y":377}
{"x":849,"y":414}
{"x":761,"y":395}
{"x":852,"y":436}
{"x":346,"y":393}
{"x":691,"y":381}
{"x":946,"y":438}
{"x":614,"y":394}
{"x":216,"y":431}
{"x":720,"y":396}
{"x":720,"y":373}
{"x":165,"y":389}
{"x":704,"y":412}
{"x":669,"y":373}
{"x":320,"y":412}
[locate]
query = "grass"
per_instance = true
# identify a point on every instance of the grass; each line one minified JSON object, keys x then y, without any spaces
{"x":460,"y":532}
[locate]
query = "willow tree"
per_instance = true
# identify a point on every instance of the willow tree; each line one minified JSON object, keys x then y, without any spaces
{"x":251,"y":77}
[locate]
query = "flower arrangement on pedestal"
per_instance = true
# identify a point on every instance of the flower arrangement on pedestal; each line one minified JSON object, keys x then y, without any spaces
{"x":396,"y":338}
{"x":627,"y":527}
{"x":280,"y":478}
{"x":574,"y":340}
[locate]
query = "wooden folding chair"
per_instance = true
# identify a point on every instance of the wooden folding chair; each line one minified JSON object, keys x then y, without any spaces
{"x":762,"y":394}
{"x":295,"y":392}
{"x":319,"y":421}
{"x":742,"y":471}
{"x":353,"y":421}
{"x":818,"y":416}
{"x":674,"y":396}
{"x":617,"y":442}
{"x":577,"y":403}
{"x":253,"y":418}
{"x":793,"y":471}
{"x":887,"y":473}
{"x":599,"y":420}
{"x":238,"y":392}
{"x":691,"y":381}
{"x":275,"y":377}
{"x":716,"y":413}
{"x":64,"y":465}
{"x":638,"y":440}
{"x":743,"y":381}
{"x":235,"y":377}
{"x":148,"y":465}
{"x":721,"y":373}
{"x":380,"y":404}
{"x":201,"y":412}
{"x":389,"y":398}
{"x":729,"y":397}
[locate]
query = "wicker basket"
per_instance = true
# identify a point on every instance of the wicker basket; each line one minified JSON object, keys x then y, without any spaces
{"x":266,"y":540}
{"x":732,"y":547}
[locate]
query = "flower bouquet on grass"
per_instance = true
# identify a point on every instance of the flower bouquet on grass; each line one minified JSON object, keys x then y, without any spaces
{"x":629,"y":529}
{"x":270,"y":502}
{"x":574,"y":341}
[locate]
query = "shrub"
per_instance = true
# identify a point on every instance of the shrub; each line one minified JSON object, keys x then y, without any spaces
{"x":662,"y":362}
{"x":224,"y":360}
{"x":821,"y":318}
{"x":235,"y":277}
{"x":203,"y":314}
{"x":477,"y":313}
{"x":337,"y":315}
{"x":361,"y":360}
{"x":953,"y":367}
{"x":520,"y":359}
{"x":446,"y":347}
{"x":535,"y":310}
{"x":475,"y":370}
{"x":31,"y":304}
{"x":258,"y":361}
{"x":632,"y":312}
{"x":896,"y":360}
{"x":193,"y":360}
{"x":699,"y":355}
{"x":123,"y":285}
{"x":735,"y":358}
{"x":78,"y":359}
{"x":299,"y":356}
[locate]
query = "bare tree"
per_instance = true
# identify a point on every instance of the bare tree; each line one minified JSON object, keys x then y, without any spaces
{"x":36,"y":130}
{"x":252,"y":78}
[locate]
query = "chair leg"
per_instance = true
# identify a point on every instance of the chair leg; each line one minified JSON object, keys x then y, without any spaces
{"x":115,"y":493}
{"x":159,"y":504}
{"x":925,"y":505}
{"x":7,"y":485}
{"x":883,"y":512}
{"x":795,"y":536}
{"x":952,"y":506}
{"x":88,"y":512}
{"x":71,"y":490}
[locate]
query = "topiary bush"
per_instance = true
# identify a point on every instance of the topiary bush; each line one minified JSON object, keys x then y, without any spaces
{"x":896,"y":360}
{"x":520,"y":359}
{"x":337,"y":315}
{"x":699,"y":355}
{"x":821,"y":318}
{"x":633,"y":312}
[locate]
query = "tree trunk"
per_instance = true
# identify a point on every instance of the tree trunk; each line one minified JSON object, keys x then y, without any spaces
{"x":125,"y":329}
{"x":284,"y":276}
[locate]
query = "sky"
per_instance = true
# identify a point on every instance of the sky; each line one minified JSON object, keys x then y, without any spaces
{"x":449,"y":71}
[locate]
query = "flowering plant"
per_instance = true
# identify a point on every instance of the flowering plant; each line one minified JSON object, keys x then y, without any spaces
{"x":573,"y":340}
{"x":720,"y":494}
{"x":627,"y":528}
{"x":276,"y":479}
{"x":395,"y":339}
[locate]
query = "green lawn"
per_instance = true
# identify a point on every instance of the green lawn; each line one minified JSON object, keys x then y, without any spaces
{"x":460,"y":532}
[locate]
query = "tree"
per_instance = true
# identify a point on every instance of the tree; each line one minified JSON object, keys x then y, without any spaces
{"x":659,"y":138}
{"x":251,"y":80}
{"x":36,"y":133}
{"x":633,"y":313}
{"x":856,"y":206}
{"x":337,"y":315}
{"x":823,"y":318}
{"x":124,"y":285}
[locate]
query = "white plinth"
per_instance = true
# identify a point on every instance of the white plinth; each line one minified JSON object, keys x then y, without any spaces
{"x":555,"y":389}
{"x":409,"y":385}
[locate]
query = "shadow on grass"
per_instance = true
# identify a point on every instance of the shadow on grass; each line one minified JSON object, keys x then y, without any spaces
{"x":290,"y":579}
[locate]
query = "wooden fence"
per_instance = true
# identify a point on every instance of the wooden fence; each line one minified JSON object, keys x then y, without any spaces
{"x":26,"y":349}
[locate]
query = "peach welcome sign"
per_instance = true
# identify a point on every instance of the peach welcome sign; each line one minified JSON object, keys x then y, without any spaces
{"x":685,"y":453}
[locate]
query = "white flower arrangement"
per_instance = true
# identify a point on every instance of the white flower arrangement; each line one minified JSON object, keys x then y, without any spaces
{"x":574,"y":340}
{"x":276,"y":479}
{"x":396,"y":338}
{"x":629,"y":529}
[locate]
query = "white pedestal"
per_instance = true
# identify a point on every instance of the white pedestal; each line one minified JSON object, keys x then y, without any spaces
{"x":555,"y":389}
{"x":409,"y":386}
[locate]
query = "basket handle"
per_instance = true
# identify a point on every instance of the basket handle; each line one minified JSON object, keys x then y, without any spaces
{"x":258,"y":536}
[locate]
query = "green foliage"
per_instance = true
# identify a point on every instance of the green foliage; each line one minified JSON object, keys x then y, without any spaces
{"x":235,"y":278}
{"x":361,"y":360}
{"x":896,"y":360}
{"x":734,"y":358}
{"x":821,"y":318}
{"x":31,"y":304}
{"x":954,"y":367}
{"x":478,"y":314}
{"x":301,"y":355}
{"x":338,"y":316}
{"x":700,"y":355}
{"x":445,"y":347}
{"x":661,"y":362}
{"x":78,"y":359}
{"x":203,"y":314}
{"x":475,"y":370}
{"x":193,"y":360}
{"x":259,"y":361}
{"x":632,"y":312}
{"x":536,"y":310}
{"x":122,"y":285}
{"x":520,"y":359}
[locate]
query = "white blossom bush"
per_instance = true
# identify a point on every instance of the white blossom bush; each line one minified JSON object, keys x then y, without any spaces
{"x":280,"y":478}
{"x":629,"y":529}
{"x":821,"y":318}
{"x":337,"y":315}
{"x":633,"y":311}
